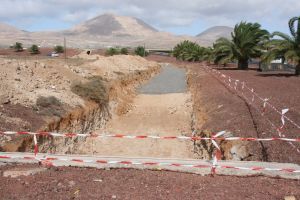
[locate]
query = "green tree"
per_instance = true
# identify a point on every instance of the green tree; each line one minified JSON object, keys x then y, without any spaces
{"x":247,"y":42}
{"x":112,"y":51}
{"x":34,"y":49}
{"x":18,"y":47}
{"x":189,"y":51}
{"x":286,"y":46}
{"x":59,"y":49}
{"x":141,"y":51}
{"x":124,"y":51}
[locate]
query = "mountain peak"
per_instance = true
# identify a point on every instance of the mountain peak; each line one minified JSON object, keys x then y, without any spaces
{"x":217,"y":31}
{"x":110,"y":24}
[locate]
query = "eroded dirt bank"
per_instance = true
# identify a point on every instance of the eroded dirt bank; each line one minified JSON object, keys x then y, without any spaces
{"x":42,"y":90}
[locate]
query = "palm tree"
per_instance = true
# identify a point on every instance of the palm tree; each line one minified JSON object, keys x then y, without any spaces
{"x":188,"y":51}
{"x":246,"y":42}
{"x":286,"y":47}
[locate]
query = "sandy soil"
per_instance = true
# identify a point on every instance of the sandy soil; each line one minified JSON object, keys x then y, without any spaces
{"x":162,"y":115}
{"x":85,"y":183}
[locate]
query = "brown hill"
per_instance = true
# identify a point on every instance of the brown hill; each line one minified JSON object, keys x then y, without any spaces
{"x":212,"y":34}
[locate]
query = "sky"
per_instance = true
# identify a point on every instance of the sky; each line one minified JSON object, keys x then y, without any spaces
{"x":184,"y":17}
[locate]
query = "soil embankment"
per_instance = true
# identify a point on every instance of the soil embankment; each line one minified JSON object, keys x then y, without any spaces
{"x":42,"y":89}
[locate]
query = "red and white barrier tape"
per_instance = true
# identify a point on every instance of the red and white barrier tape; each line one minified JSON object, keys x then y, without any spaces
{"x":50,"y":161}
{"x":265,"y":102}
{"x":213,"y":139}
{"x":244,"y":86}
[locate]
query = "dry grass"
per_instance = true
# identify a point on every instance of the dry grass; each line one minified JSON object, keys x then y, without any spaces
{"x":49,"y":106}
{"x":93,"y":90}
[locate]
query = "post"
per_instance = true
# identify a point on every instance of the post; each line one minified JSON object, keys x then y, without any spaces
{"x":65,"y":48}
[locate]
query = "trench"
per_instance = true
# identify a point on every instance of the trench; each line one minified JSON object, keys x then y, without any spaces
{"x":162,"y":107}
{"x":92,"y":116}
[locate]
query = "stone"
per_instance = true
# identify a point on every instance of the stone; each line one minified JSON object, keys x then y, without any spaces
{"x":4,"y":99}
{"x":16,"y":172}
{"x":239,"y":151}
{"x":71,"y":183}
{"x":289,"y":198}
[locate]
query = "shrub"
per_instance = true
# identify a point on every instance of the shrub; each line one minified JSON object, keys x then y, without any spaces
{"x":18,"y":47}
{"x":140,"y":51}
{"x":47,"y":101}
{"x":124,"y":51}
{"x":49,"y":106}
{"x":34,"y":49}
{"x":94,"y":90}
{"x":59,"y":49}
{"x":112,"y":51}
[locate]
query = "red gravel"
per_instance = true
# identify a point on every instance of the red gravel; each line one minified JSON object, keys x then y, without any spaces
{"x":79,"y":183}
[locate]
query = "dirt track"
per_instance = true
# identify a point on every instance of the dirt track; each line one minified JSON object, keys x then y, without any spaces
{"x":162,"y":115}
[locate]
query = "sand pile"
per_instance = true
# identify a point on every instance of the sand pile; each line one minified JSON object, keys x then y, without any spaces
{"x":23,"y":81}
{"x":113,"y":66}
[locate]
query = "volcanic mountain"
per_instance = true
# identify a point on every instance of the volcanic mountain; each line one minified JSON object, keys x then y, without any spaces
{"x":214,"y":33}
{"x":105,"y":31}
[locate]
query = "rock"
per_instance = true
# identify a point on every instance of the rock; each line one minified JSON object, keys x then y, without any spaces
{"x":16,"y":172}
{"x":239,"y":152}
{"x":71,"y":183}
{"x":60,"y":185}
{"x":98,"y":180}
{"x":113,"y":196}
{"x":289,"y":198}
{"x":4,"y":99}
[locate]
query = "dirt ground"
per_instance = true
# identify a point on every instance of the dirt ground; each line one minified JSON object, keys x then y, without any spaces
{"x":85,"y":183}
{"x":215,"y":108}
{"x":161,"y":115}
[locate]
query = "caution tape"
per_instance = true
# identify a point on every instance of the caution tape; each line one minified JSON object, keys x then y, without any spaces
{"x":50,"y":161}
{"x":193,"y":138}
{"x":264,"y":101}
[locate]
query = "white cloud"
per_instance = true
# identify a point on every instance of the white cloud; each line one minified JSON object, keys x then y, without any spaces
{"x":161,"y":13}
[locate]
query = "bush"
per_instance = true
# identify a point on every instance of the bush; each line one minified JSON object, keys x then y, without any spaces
{"x":94,"y":90}
{"x":140,"y":51}
{"x":34,"y":49}
{"x":112,"y":51}
{"x":18,"y":47}
{"x":124,"y":51}
{"x":59,"y":49}
{"x":49,"y":106}
{"x":47,"y":101}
